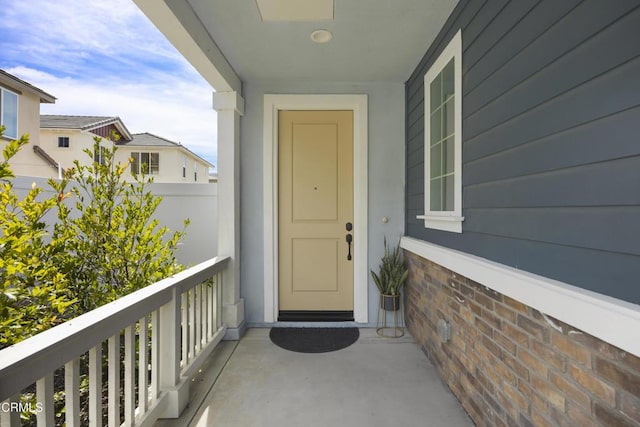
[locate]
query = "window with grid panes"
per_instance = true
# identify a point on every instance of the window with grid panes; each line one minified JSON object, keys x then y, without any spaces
{"x":443,"y":140}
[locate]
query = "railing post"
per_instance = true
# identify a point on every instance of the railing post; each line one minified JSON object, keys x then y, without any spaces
{"x":143,"y":364}
{"x":129,"y":375}
{"x":169,"y":358}
{"x":113,"y":381}
{"x":9,"y":414}
{"x":72,"y":393}
{"x":95,"y":386}
{"x":44,"y":396}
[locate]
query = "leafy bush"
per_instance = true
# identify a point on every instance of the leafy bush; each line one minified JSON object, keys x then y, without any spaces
{"x":107,"y":247}
{"x":33,"y":291}
{"x":111,"y":243}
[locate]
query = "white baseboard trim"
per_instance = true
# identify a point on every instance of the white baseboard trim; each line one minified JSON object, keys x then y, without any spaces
{"x":235,"y":334}
{"x":609,"y":319}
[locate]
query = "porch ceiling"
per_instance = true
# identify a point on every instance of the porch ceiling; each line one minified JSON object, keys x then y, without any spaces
{"x":373,"y":40}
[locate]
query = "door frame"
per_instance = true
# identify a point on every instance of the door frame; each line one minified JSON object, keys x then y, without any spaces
{"x":272,"y":105}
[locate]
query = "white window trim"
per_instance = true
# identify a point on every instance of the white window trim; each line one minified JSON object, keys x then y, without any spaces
{"x":441,"y":220}
{"x":2,"y":91}
{"x":580,"y":308}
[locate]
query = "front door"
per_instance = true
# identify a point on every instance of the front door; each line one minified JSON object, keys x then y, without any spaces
{"x":315,"y":182}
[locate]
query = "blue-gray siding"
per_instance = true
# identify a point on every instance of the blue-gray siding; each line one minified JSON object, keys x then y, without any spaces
{"x":551,"y":139}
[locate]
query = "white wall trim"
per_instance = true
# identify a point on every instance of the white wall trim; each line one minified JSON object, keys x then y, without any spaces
{"x":357,"y":104}
{"x":612,"y":320}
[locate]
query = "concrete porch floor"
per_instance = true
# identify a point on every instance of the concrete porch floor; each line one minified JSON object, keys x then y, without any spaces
{"x":374,"y":382}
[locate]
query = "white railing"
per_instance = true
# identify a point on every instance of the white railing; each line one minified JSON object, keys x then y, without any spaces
{"x":177,"y":322}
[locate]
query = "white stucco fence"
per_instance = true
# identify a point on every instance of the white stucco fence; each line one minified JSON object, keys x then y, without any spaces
{"x":198,"y":202}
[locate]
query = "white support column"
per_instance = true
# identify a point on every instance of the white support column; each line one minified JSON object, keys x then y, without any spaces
{"x":230,"y":106}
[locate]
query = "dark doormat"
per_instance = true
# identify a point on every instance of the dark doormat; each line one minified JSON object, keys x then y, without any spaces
{"x":314,"y":340}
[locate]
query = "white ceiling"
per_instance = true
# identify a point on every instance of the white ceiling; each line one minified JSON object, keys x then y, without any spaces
{"x":295,"y":10}
{"x":373,"y":40}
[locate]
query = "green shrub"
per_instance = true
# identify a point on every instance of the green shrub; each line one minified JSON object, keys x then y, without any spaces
{"x":33,"y":291}
{"x":107,"y":247}
{"x":112,"y":245}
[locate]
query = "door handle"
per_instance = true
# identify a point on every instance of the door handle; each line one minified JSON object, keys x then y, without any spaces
{"x":349,"y":226}
{"x":349,"y":240}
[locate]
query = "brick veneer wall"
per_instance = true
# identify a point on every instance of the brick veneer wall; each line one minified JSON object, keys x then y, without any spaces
{"x":509,"y":364}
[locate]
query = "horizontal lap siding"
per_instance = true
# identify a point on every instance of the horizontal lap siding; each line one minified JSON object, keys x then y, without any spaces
{"x":551,"y":139}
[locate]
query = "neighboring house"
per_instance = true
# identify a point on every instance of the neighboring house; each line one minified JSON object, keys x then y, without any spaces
{"x":501,"y":142}
{"x":164,"y":160}
{"x":65,"y":138}
{"x":20,"y":115}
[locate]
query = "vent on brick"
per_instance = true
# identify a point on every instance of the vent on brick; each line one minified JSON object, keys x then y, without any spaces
{"x":444,"y":330}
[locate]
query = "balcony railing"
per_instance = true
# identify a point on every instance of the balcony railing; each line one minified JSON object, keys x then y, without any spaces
{"x":155,"y":338}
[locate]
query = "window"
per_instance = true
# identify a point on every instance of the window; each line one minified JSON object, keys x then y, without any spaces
{"x":195,"y":171}
{"x":153,"y":162}
{"x":184,"y":167}
{"x":9,"y":113}
{"x":145,"y":163}
{"x":135,"y":163}
{"x":99,"y":155}
{"x":443,"y":140}
{"x":63,"y":142}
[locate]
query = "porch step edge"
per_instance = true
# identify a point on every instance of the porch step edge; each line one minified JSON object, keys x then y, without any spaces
{"x":202,"y":383}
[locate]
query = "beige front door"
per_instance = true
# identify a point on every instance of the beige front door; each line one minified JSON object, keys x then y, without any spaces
{"x":315,"y":182}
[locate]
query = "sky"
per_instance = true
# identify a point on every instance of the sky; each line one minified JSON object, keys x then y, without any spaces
{"x":105,"y":58}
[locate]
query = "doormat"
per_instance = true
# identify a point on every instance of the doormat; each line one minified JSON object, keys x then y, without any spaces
{"x":314,"y":340}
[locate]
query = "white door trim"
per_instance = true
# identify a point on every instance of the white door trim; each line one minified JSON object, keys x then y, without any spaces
{"x":357,"y":104}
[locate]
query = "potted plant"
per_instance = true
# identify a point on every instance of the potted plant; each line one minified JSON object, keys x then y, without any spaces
{"x":391,"y":277}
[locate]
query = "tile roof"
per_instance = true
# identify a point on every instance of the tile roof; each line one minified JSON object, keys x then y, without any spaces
{"x":147,"y":139}
{"x":19,"y":84}
{"x":75,"y":122}
{"x":83,"y":123}
{"x":151,"y":140}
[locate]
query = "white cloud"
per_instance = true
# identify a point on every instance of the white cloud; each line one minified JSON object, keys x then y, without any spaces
{"x":105,"y":58}
{"x":180,"y":113}
{"x":71,"y":31}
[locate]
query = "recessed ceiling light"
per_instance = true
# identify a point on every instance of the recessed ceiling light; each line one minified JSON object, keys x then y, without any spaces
{"x":321,"y":36}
